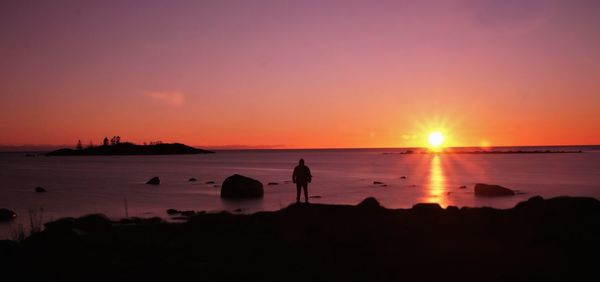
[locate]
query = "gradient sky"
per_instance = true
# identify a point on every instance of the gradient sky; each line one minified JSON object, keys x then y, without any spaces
{"x":300,"y":73}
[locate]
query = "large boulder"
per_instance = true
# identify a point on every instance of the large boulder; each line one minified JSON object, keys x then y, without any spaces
{"x":7,"y":215}
{"x":241,"y":187}
{"x":487,"y":190}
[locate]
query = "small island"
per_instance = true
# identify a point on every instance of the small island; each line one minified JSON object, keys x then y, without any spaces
{"x":115,"y":147}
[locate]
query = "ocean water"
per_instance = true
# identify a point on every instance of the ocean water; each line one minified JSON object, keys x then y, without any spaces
{"x":115,"y":185}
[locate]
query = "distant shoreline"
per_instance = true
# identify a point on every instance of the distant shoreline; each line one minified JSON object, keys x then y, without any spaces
{"x":484,"y":152}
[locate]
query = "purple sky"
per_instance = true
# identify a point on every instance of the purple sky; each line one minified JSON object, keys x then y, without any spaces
{"x":300,"y":73}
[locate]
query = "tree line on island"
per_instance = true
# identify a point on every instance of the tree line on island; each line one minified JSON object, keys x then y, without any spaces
{"x":114,"y":146}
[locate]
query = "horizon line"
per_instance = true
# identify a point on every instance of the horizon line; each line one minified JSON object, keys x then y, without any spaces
{"x":47,"y":147}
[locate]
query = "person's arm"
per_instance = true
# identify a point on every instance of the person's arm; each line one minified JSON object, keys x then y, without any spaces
{"x":309,"y":174}
{"x":294,"y":175}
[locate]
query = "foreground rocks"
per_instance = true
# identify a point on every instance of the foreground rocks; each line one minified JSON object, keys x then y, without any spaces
{"x":538,"y":240}
{"x":241,"y":187}
{"x":486,"y":190}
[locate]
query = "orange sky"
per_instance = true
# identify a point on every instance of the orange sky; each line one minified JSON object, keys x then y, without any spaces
{"x":301,"y":74}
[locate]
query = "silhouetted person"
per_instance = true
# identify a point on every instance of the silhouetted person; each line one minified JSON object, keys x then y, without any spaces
{"x":301,"y":177}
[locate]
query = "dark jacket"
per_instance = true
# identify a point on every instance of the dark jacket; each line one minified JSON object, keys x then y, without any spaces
{"x":301,"y":174}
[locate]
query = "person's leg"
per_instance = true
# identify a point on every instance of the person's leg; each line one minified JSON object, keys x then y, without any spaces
{"x":305,"y":186}
{"x":298,"y":187}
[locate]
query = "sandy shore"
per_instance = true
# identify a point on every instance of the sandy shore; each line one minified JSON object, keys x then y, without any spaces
{"x":551,"y":240}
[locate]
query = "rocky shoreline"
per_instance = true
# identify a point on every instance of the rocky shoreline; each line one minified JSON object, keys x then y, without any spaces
{"x":552,"y":240}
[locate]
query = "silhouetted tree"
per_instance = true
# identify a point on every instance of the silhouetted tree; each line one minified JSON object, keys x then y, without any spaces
{"x":79,"y":146}
{"x":105,"y":142}
{"x":115,"y":140}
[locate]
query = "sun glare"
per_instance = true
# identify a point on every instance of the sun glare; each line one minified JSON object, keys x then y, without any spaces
{"x":436,"y":139}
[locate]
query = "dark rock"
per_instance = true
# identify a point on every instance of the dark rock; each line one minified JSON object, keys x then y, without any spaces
{"x":486,"y":190}
{"x":377,"y":182}
{"x":370,"y":203}
{"x":403,"y":177}
{"x":154,"y":181}
{"x":239,"y":186}
{"x":93,"y":223}
{"x":182,"y":213}
{"x":533,"y":202}
{"x":192,"y":179}
{"x":452,"y":209}
{"x":40,"y":190}
{"x":384,"y":185}
{"x":188,"y":213}
{"x":427,"y":207}
{"x":463,"y":187}
{"x":273,"y":183}
{"x":7,"y":215}
{"x":209,"y":182}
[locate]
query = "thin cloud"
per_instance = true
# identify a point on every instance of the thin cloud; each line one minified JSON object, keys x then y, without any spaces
{"x":171,"y":98}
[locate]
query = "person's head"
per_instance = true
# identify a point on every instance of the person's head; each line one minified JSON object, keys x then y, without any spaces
{"x":301,"y":162}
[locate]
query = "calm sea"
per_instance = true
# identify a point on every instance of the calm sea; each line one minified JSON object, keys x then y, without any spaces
{"x":103,"y":184}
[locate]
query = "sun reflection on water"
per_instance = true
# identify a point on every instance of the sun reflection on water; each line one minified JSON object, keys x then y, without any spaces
{"x":437,"y":182}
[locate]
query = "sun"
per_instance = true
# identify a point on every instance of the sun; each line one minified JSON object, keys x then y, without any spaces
{"x":436,"y":139}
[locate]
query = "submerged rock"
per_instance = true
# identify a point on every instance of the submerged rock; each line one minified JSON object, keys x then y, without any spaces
{"x":154,"y":181}
{"x":7,"y":215}
{"x":272,"y":183}
{"x":192,"y":179}
{"x":209,"y":182}
{"x":463,"y":187}
{"x":240,"y":187}
{"x":377,"y":182}
{"x":487,"y":190}
{"x":40,"y":190}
